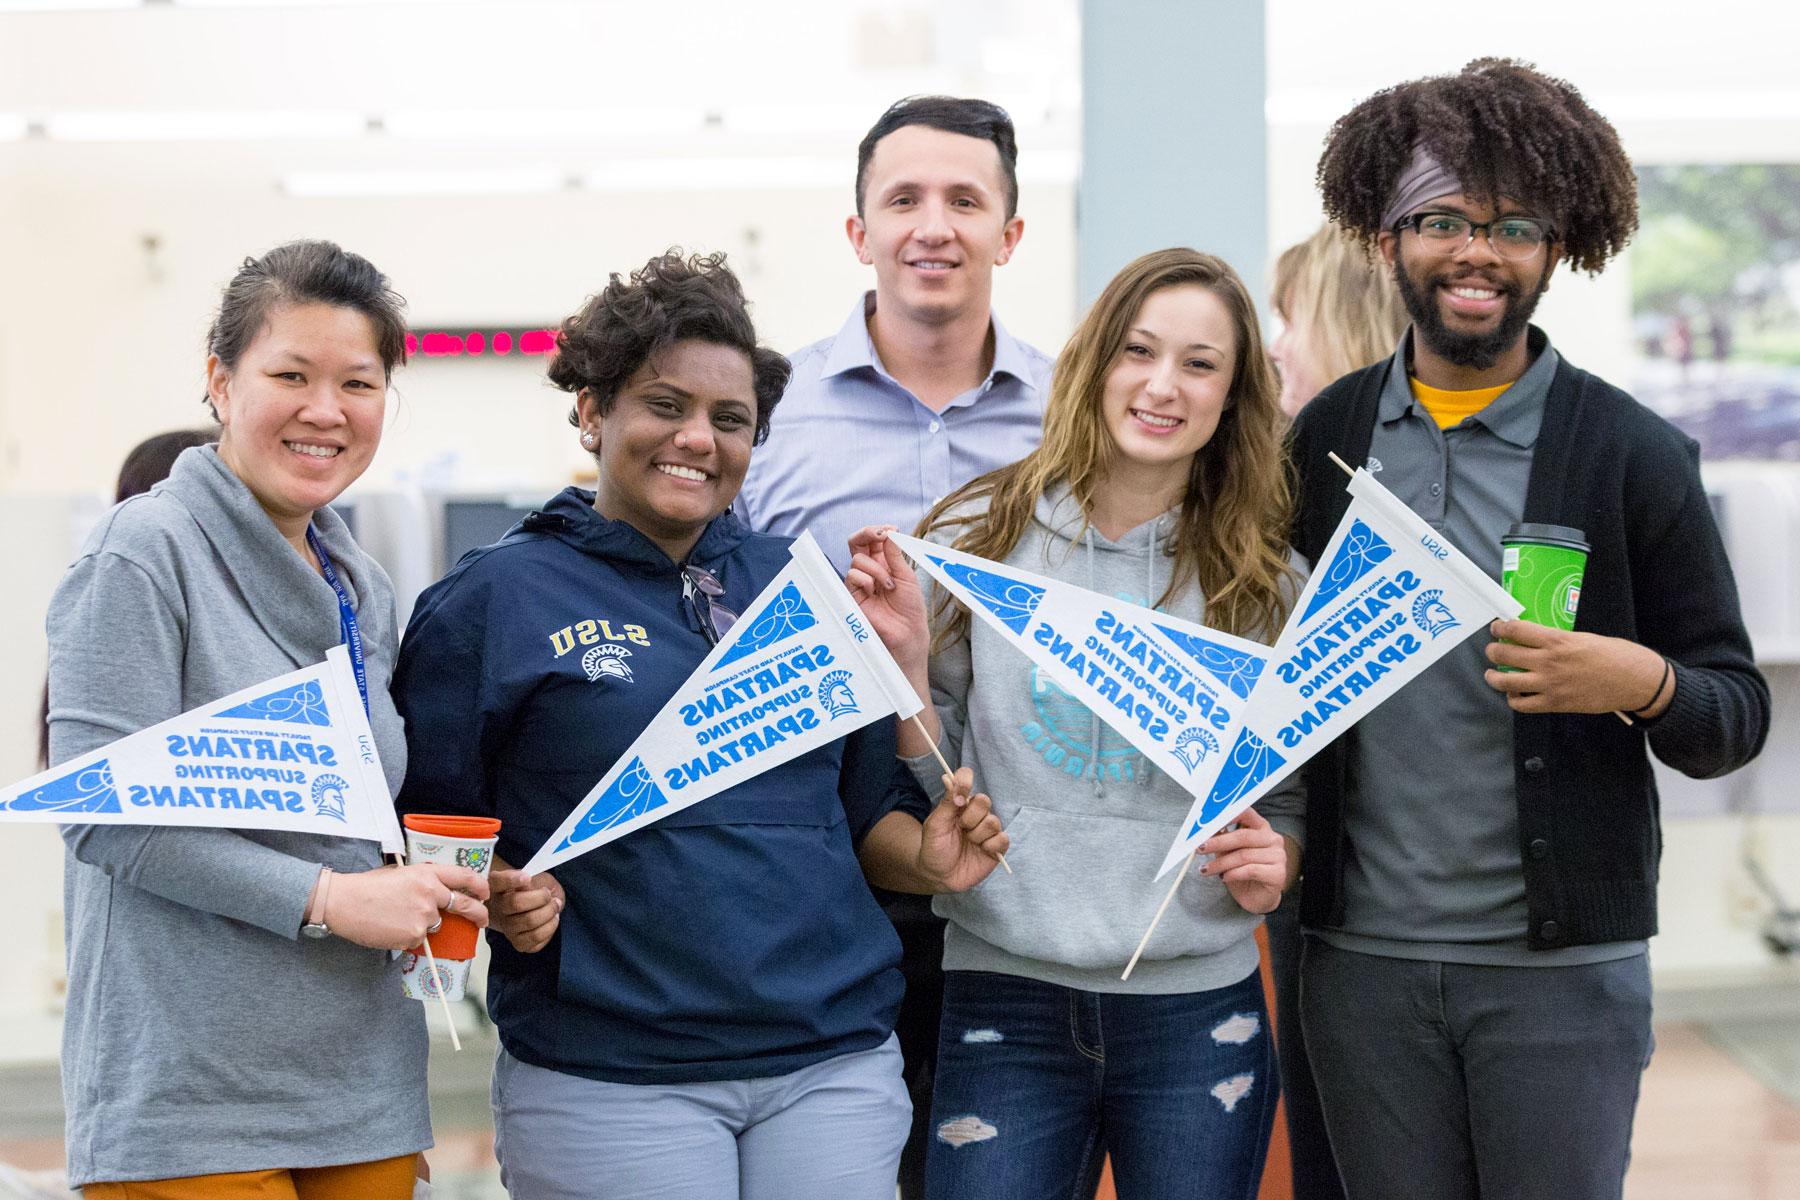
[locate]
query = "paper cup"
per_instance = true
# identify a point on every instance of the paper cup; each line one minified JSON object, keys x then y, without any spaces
{"x":1542,"y":567}
{"x":417,"y":981}
{"x":456,"y":841}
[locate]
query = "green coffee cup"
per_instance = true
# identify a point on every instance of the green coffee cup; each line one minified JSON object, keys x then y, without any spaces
{"x":1541,"y":567}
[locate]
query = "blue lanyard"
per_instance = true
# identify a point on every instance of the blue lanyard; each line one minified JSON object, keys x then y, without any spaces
{"x":347,"y":627}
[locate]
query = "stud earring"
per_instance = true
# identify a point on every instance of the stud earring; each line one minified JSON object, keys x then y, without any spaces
{"x":587,"y":439}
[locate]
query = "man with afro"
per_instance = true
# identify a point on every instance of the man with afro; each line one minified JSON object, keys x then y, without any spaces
{"x":1482,"y":849}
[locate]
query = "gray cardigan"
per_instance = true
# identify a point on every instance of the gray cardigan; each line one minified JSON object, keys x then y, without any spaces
{"x":202,"y":1034}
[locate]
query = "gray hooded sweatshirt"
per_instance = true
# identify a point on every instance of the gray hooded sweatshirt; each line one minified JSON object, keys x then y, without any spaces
{"x":1090,"y":818}
{"x":202,"y":1034}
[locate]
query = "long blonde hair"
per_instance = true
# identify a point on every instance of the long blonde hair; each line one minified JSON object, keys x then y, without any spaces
{"x":1339,"y":301}
{"x":1231,"y":534}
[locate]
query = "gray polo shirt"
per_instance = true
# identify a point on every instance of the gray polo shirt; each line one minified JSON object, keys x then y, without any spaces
{"x":1433,"y":869}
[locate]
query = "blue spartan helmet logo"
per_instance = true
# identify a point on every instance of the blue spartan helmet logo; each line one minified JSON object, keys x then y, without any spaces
{"x":328,"y":797}
{"x":836,"y":696}
{"x":1193,"y":746}
{"x":1432,"y":614}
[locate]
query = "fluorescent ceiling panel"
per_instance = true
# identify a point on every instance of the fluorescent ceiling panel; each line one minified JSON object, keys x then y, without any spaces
{"x":536,"y":125}
{"x":339,"y":184}
{"x":12,"y":6}
{"x":800,"y":118}
{"x":295,"y":3}
{"x":717,"y":174}
{"x":202,"y":126}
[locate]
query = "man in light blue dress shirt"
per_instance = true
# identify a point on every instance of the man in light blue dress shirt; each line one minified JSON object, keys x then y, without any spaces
{"x":919,"y":392}
{"x":922,"y":389}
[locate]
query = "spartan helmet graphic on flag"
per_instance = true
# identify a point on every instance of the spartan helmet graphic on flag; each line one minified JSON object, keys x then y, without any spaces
{"x":1432,"y":614}
{"x":835,"y":694}
{"x":1193,"y":746}
{"x":328,"y":796}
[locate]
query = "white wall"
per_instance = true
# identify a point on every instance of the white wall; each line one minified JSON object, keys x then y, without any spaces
{"x":34,"y":535}
{"x":98,"y":352}
{"x":99,"y":341}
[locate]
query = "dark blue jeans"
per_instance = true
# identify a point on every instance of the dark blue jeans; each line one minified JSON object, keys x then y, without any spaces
{"x":1462,"y":1082}
{"x":1037,"y":1083}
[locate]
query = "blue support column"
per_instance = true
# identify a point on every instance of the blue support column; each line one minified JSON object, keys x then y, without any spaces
{"x":1173,"y":140}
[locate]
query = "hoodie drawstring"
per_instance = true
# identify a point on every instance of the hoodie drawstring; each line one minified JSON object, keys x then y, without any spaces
{"x":1140,"y":763}
{"x":1143,"y":764}
{"x":1094,"y":718}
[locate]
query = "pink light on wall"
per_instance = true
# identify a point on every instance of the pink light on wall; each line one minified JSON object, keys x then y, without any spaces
{"x":481,"y":342}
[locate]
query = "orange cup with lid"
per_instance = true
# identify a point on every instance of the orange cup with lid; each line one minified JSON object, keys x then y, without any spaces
{"x":454,"y":841}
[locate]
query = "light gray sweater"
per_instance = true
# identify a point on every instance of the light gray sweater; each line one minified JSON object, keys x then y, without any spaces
{"x":1090,"y":818}
{"x":202,"y":1034}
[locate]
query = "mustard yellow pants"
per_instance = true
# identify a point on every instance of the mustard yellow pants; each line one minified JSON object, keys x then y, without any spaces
{"x":386,"y":1179}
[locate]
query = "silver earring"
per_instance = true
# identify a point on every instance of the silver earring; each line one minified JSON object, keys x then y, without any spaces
{"x":587,"y":439}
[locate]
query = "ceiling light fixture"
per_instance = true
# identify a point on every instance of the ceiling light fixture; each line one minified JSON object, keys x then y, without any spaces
{"x":201,"y":126}
{"x":345,"y":184}
{"x":713,"y":174}
{"x":25,"y":6}
{"x":538,"y":125}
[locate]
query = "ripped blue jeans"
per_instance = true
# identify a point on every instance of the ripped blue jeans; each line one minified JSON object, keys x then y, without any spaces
{"x":1037,"y":1083}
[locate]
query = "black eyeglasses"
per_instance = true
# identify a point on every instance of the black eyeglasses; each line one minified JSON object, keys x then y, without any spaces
{"x":698,"y":583}
{"x":1446,"y":233}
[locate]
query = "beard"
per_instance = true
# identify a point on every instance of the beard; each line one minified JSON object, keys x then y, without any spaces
{"x":1477,"y":350}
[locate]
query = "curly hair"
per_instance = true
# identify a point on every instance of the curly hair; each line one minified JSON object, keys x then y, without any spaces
{"x":672,"y":298}
{"x":1499,"y":126}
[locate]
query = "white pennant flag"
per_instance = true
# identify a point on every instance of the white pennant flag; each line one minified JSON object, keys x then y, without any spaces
{"x":293,"y":753}
{"x":801,"y":668}
{"x":1174,"y":689}
{"x":1389,"y":596}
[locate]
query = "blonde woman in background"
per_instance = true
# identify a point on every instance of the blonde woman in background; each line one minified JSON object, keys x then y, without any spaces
{"x":1338,"y":314}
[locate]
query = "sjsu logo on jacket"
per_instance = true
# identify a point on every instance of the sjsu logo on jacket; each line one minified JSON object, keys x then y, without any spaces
{"x":593,"y":633}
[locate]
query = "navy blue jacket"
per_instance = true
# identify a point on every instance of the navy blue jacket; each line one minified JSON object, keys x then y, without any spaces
{"x":734,"y":939}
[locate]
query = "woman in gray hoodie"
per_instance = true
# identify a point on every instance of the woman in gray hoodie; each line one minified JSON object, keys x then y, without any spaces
{"x":1160,"y":481}
{"x":235,"y":1027}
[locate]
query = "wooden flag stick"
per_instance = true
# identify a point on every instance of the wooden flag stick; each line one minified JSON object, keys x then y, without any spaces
{"x":944,"y":763}
{"x":1157,"y":919}
{"x":431,"y":965}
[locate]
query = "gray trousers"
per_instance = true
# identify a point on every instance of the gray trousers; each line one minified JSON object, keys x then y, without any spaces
{"x":831,"y":1131}
{"x":1454,"y":1082}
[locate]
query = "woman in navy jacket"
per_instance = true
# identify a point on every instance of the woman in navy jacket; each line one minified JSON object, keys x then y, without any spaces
{"x":703,"y":1007}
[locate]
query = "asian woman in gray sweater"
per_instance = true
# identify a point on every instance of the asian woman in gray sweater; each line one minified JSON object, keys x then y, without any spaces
{"x":209,"y":1049}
